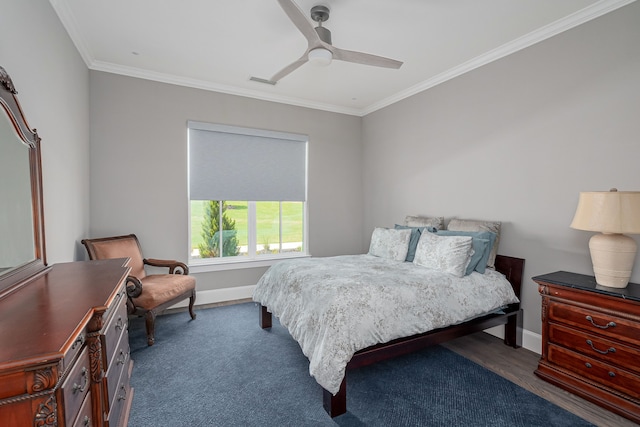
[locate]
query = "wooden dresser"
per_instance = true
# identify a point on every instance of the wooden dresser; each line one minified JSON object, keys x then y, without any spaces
{"x":591,"y":340}
{"x":64,"y":348}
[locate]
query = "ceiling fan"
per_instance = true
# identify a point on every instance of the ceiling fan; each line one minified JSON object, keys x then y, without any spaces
{"x":320,"y":50}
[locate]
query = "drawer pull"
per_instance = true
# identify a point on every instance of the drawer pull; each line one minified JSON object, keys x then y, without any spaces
{"x":85,"y":381}
{"x":607,"y":326}
{"x":78,"y":341}
{"x":612,"y":374}
{"x":122,"y":357}
{"x":588,"y":365}
{"x":609,"y":350}
{"x":123,"y":396}
{"x":119,"y":324}
{"x":86,"y":421}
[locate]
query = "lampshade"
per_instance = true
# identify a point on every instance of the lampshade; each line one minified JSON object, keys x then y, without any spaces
{"x":611,"y":213}
{"x":608,"y":212}
{"x":320,"y":56}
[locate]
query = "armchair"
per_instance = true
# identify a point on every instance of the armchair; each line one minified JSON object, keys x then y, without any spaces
{"x":147,"y":295}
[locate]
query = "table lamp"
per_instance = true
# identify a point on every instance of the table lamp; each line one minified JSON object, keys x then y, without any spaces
{"x":611,"y":213}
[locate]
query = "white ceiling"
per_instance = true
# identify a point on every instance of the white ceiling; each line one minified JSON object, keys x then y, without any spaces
{"x":218,"y":45}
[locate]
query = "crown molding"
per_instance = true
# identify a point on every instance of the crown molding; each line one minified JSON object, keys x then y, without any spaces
{"x":214,"y":87}
{"x":596,"y":10}
{"x":587,"y":14}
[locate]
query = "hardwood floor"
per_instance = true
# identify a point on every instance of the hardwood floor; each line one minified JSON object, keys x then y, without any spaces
{"x":517,"y":365}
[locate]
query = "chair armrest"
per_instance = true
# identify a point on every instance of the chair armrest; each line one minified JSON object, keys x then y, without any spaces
{"x":134,"y":287}
{"x":175,"y":267}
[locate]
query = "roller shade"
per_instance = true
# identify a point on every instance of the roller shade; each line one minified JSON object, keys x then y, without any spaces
{"x":232,"y":163}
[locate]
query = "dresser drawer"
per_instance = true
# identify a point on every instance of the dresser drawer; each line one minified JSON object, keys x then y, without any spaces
{"x":605,"y":374}
{"x":120,"y":298}
{"x":118,"y":364}
{"x":84,"y":416}
{"x":121,"y":398}
{"x":76,"y":386}
{"x":596,"y":346}
{"x":73,"y":349}
{"x":116,"y":326}
{"x":596,"y":322}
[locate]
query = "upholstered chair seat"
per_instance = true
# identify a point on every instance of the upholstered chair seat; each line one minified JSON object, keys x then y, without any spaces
{"x":147,"y":294}
{"x":158,"y":288}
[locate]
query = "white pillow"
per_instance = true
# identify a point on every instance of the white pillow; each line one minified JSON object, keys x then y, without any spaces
{"x":477,"y":225}
{"x":449,"y":254}
{"x":390,"y":243}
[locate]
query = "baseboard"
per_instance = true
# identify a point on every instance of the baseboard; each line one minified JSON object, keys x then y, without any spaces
{"x":530,"y":340}
{"x":214,"y":296}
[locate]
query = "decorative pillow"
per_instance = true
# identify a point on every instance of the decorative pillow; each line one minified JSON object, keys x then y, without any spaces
{"x":450,"y":254}
{"x":482,"y":244}
{"x":424,"y":221}
{"x":390,"y":243}
{"x":475,"y":225}
{"x":413,"y":241}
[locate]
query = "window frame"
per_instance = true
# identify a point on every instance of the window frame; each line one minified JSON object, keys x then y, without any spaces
{"x":252,"y":259}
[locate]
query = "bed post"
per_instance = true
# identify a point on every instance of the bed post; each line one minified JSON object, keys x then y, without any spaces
{"x":265,"y":317}
{"x":513,"y":330}
{"x":336,"y":405}
{"x":513,"y":269}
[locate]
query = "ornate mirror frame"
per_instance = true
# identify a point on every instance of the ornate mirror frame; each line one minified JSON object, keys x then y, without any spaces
{"x":13,"y":278}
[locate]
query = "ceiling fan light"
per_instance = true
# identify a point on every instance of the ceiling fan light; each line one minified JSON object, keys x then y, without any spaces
{"x":320,"y":56}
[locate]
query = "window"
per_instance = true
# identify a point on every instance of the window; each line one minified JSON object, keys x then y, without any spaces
{"x":247,"y":194}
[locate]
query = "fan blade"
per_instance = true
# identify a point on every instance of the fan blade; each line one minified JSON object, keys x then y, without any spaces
{"x":289,"y":68}
{"x":363,"y":58}
{"x":300,"y":21}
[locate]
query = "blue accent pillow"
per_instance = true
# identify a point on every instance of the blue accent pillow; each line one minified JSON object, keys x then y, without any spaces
{"x":416,"y":232}
{"x":482,"y":244}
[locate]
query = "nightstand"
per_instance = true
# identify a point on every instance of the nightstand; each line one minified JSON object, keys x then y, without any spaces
{"x":591,"y":340}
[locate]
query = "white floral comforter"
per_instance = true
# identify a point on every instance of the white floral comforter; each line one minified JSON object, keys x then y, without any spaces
{"x":336,"y":306}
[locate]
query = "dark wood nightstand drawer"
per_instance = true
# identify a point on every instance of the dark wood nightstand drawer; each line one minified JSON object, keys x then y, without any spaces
{"x":595,"y":370}
{"x":76,"y":386}
{"x":595,"y":346}
{"x":591,"y":340}
{"x":595,"y":322}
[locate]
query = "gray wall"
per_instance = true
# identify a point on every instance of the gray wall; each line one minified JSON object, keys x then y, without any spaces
{"x":516,"y":141}
{"x":139,"y":166}
{"x":53,"y":89}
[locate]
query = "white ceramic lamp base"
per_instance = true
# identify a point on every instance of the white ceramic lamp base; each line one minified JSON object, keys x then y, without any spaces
{"x":612,"y":256}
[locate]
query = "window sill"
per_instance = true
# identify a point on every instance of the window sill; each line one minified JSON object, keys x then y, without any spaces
{"x":204,"y":266}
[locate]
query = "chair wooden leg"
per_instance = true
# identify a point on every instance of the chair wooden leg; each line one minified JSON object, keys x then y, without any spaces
{"x":192,"y":301}
{"x":150,"y":321}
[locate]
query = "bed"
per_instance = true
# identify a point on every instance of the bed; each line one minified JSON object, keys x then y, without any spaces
{"x":354,"y":310}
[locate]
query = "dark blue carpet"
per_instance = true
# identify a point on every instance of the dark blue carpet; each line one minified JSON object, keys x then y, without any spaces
{"x":223,"y":370}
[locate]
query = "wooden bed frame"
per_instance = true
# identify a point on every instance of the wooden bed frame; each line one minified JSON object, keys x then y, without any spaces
{"x":511,"y":318}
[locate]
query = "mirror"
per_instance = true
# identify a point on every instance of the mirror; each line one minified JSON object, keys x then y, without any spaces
{"x":22,"y":252}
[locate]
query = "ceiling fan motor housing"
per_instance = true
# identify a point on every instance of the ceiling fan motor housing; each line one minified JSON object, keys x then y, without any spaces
{"x":319,"y":13}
